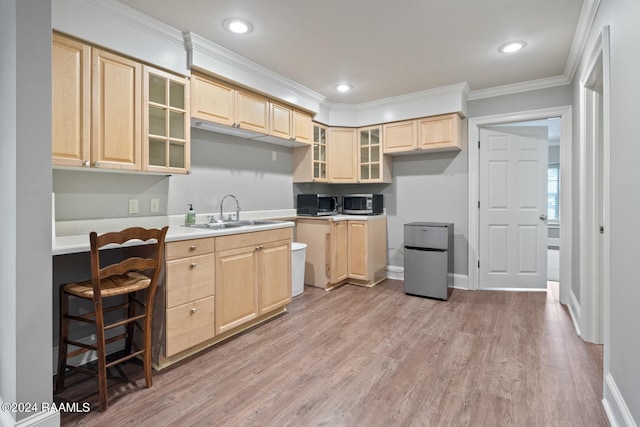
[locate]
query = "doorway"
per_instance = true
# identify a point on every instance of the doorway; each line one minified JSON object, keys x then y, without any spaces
{"x":565,"y":206}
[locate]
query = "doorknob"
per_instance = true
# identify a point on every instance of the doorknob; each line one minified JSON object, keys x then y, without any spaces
{"x":543,"y":217}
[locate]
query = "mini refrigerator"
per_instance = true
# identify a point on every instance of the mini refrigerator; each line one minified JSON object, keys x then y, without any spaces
{"x":428,"y":259}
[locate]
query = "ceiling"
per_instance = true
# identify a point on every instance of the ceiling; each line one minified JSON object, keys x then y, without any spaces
{"x":386,"y":48}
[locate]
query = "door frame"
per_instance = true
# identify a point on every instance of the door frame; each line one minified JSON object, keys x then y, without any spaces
{"x":474,"y":124}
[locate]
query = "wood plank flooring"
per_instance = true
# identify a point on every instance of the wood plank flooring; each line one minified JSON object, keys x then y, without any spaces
{"x":376,"y":357}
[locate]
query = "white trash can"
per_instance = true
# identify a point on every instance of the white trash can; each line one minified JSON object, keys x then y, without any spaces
{"x":298,"y":252}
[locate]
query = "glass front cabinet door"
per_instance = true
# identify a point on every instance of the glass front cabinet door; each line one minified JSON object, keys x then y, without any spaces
{"x":373,"y":165}
{"x":319,"y":153}
{"x":166,"y":127}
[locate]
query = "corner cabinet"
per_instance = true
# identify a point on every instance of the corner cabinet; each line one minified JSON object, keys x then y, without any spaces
{"x":310,"y":162}
{"x":429,"y":134}
{"x":342,"y":161}
{"x":344,"y":251}
{"x":166,"y":126}
{"x":97,"y":112}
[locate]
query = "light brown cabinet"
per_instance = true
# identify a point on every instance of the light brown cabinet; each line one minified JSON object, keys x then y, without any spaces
{"x":166,"y":126}
{"x":189,"y":295}
{"x":342,"y":162}
{"x":98,"y":102}
{"x":351,"y":251}
{"x":373,"y":164}
{"x":253,"y":276}
{"x":220,"y":102}
{"x":310,"y":162}
{"x":437,"y":133}
{"x":290,"y":124}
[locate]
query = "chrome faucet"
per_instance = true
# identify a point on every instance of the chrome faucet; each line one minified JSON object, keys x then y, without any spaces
{"x":237,"y":207}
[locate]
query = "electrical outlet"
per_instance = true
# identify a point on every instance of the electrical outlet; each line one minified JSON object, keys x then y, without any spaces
{"x":133,"y":206}
{"x":155,"y":205}
{"x":274,"y":156}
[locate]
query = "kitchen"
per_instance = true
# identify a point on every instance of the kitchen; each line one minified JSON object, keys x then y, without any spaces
{"x":445,"y":189}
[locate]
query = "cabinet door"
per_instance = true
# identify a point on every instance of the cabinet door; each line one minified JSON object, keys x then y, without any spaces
{"x":71,"y":96}
{"x":252,"y":111}
{"x":358,"y":250}
{"x":400,"y":136}
{"x":275,"y":275}
{"x":342,"y":161}
{"x":166,"y":140}
{"x":302,"y":126}
{"x":340,"y":251}
{"x":280,"y":121}
{"x":212,"y":100}
{"x":440,"y":132}
{"x":319,"y":154}
{"x":236,"y":288}
{"x":117,"y":106}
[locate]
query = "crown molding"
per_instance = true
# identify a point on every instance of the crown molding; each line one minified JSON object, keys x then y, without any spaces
{"x":519,"y":87}
{"x":204,"y":54}
{"x":585,"y":23}
{"x":137,"y":20}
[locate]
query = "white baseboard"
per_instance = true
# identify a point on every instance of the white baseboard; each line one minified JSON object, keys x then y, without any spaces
{"x":39,"y":419}
{"x":614,"y":405}
{"x":574,"y":311}
{"x":460,"y":281}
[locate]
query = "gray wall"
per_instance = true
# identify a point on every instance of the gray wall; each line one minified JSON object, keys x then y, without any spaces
{"x":25,"y":235}
{"x":623,"y":352}
{"x":530,"y":100}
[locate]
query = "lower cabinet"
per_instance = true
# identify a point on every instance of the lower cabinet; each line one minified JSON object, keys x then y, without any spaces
{"x":343,"y":251}
{"x":189,"y":294}
{"x":216,"y":287}
{"x":253,"y":276}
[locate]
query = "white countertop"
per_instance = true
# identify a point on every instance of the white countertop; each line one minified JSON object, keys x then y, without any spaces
{"x":76,"y":239}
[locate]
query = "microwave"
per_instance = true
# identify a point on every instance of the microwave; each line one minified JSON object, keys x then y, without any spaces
{"x":317,"y":204}
{"x":362,"y":204}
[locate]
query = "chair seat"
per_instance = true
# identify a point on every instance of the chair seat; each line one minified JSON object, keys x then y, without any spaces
{"x":112,"y":286}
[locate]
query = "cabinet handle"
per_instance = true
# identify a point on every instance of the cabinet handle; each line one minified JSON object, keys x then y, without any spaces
{"x":259,"y":247}
{"x":193,"y":265}
{"x":193,"y":247}
{"x":193,"y":310}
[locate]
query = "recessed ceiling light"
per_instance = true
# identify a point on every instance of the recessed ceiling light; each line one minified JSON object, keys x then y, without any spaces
{"x":237,"y":25}
{"x":343,"y":87}
{"x":512,"y":46}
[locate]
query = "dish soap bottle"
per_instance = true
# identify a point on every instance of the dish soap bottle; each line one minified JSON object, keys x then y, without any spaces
{"x":191,"y":215}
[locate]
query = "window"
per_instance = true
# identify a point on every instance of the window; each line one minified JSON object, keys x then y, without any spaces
{"x":553,"y":192}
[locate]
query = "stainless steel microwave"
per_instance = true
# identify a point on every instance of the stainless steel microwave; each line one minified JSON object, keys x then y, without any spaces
{"x":362,"y":204}
{"x":317,"y":204}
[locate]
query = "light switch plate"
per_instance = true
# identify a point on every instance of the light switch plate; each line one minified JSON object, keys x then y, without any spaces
{"x":274,"y":156}
{"x":155,"y":205}
{"x":133,"y":206}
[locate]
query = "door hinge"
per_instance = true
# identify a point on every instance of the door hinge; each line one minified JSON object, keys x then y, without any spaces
{"x":478,"y":145}
{"x":602,"y":229}
{"x":478,"y":204}
{"x":478,"y":263}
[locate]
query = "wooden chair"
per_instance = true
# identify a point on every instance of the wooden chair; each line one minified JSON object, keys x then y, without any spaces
{"x":123,"y":278}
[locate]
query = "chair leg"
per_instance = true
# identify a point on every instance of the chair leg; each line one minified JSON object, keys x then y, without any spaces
{"x":130,"y":326}
{"x":102,"y":356}
{"x":62,"y":340}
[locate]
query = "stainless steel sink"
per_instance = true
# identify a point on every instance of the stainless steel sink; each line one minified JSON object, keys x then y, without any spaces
{"x":232,"y":224}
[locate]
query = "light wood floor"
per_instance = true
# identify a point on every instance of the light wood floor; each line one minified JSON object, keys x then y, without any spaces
{"x":377,"y":357}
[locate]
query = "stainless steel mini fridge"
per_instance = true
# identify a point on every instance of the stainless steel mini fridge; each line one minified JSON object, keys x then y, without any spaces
{"x":428,"y":259}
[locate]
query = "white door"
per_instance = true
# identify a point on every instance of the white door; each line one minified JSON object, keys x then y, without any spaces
{"x":513,"y":207}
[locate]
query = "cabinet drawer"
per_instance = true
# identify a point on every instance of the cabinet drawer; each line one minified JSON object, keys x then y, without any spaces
{"x":188,"y":248}
{"x":189,"y":279}
{"x":189,"y":325}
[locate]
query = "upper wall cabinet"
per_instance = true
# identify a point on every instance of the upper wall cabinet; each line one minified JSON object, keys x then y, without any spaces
{"x":219,"y":102}
{"x":245,"y":113}
{"x":98,"y":103}
{"x":373,"y":165}
{"x":342,"y":163}
{"x":310,"y":162}
{"x":166,"y":126}
{"x":438,"y":133}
